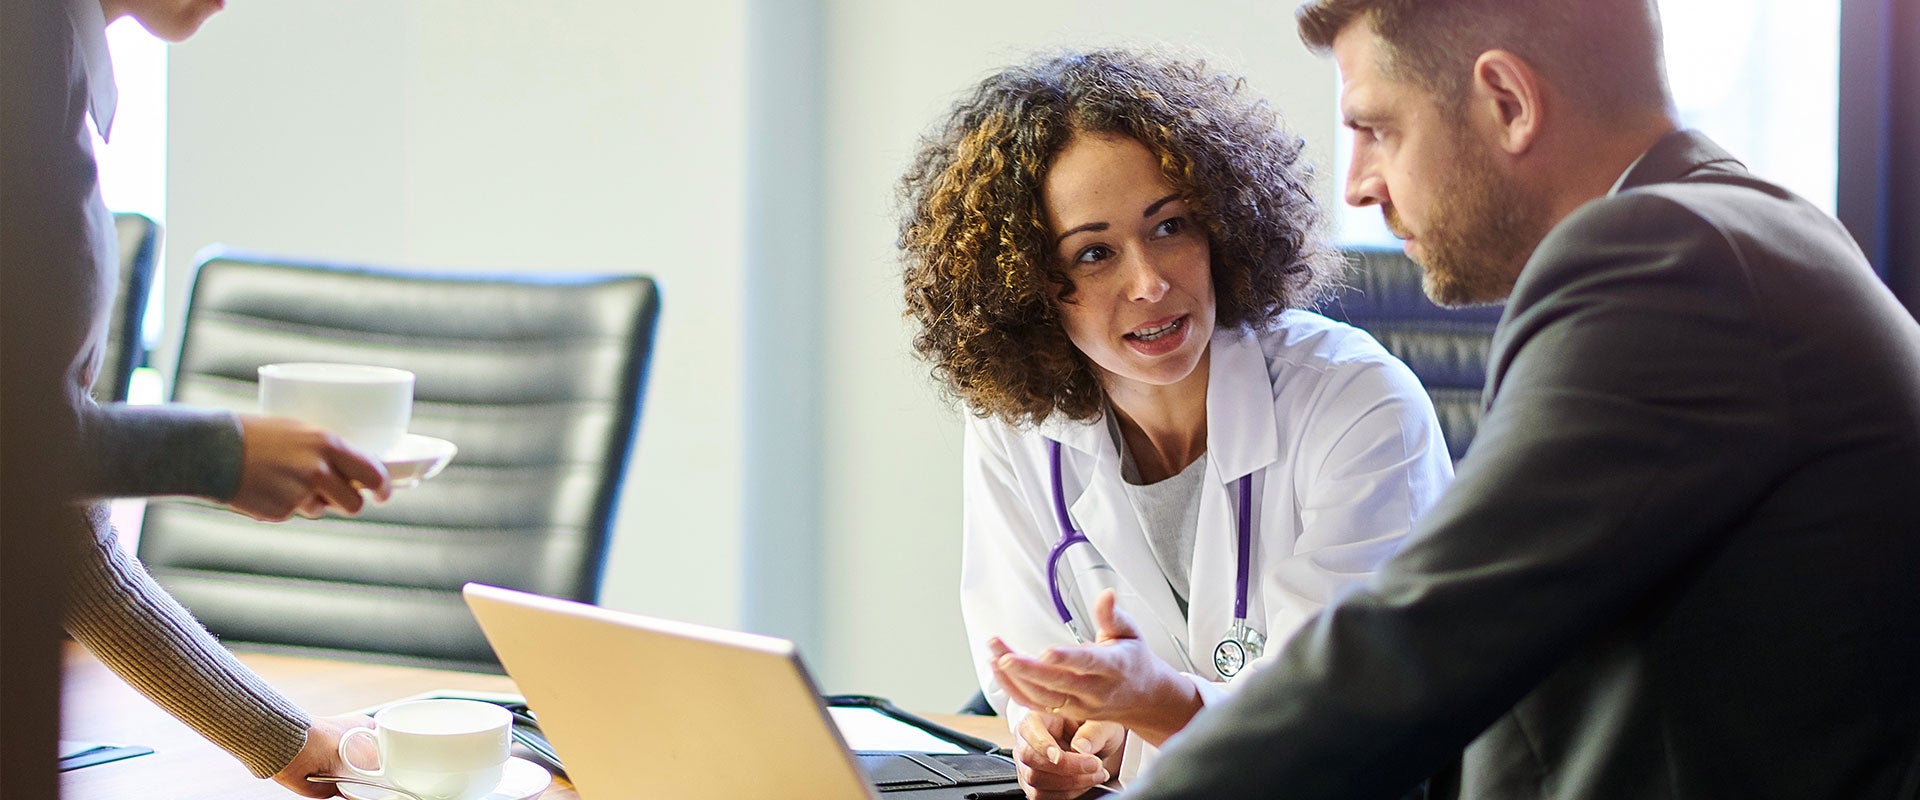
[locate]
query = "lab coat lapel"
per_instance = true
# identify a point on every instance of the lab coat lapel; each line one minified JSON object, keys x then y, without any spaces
{"x":1242,"y":439}
{"x":1102,"y":509}
{"x":1106,"y":513}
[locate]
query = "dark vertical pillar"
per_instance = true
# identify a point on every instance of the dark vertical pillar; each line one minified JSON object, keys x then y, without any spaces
{"x":1879,"y":137}
{"x":34,"y":475}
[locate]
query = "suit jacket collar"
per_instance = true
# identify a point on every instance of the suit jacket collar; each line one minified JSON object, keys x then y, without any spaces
{"x":1676,"y":156}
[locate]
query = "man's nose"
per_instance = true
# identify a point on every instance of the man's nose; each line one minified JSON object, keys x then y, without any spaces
{"x":1364,"y":185}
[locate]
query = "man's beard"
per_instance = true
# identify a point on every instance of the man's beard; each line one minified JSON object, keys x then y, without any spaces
{"x":1482,"y":229}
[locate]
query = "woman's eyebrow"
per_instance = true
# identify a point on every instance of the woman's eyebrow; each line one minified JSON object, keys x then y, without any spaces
{"x":1152,"y":208}
{"x":1155,"y":207}
{"x":1091,"y":226}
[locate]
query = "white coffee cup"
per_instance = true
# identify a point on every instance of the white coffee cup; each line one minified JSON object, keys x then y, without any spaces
{"x":367,"y":406}
{"x":439,"y":749}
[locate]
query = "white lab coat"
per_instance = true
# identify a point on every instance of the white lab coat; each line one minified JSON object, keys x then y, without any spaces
{"x":1345,"y":453}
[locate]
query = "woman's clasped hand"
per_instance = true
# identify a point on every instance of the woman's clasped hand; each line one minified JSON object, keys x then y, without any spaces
{"x":1117,"y":678}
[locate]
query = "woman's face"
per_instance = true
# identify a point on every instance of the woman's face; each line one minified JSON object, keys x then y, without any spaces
{"x":1142,"y":307}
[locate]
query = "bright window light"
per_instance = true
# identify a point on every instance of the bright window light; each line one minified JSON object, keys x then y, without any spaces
{"x":133,"y":167}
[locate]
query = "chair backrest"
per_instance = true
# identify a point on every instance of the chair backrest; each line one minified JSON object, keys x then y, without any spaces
{"x":1446,"y":348}
{"x":538,"y":380}
{"x":126,"y":349}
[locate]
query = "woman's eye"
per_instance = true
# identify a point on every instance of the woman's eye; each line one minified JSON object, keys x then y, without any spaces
{"x":1170,"y":227}
{"x":1093,"y":255}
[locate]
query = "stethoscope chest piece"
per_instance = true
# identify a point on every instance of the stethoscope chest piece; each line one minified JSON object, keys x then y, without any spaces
{"x":1242,"y":645}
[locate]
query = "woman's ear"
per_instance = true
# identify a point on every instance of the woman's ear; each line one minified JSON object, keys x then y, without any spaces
{"x":1508,"y":96}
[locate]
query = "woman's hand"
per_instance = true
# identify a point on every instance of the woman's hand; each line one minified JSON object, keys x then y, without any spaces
{"x":321,"y":755}
{"x":1117,"y":678}
{"x":289,"y":467}
{"x":1059,"y":759}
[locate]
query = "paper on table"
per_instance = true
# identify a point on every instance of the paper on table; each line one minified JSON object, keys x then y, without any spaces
{"x":871,"y":730}
{"x":74,"y":754}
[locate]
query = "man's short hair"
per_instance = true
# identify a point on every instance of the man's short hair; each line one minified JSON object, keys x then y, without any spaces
{"x":1604,"y":54}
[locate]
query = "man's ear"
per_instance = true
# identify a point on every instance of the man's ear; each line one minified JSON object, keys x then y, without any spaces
{"x":1507,"y":95}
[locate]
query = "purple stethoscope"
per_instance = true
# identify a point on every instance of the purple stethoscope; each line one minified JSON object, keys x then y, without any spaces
{"x":1241,"y":645}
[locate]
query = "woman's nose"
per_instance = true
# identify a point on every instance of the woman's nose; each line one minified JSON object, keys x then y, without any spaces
{"x":1146,"y":281}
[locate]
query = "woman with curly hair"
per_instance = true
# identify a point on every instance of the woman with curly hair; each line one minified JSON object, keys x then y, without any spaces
{"x":1108,"y":255}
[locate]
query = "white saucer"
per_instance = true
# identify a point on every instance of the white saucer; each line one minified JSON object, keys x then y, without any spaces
{"x":521,"y":780}
{"x":417,"y":458}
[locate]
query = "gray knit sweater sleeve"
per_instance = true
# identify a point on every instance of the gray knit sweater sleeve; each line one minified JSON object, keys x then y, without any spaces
{"x":117,"y":611}
{"x":142,"y":451}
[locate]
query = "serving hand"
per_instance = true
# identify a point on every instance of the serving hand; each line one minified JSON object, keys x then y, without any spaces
{"x":321,"y":755}
{"x":288,"y":467}
{"x":1116,"y":678}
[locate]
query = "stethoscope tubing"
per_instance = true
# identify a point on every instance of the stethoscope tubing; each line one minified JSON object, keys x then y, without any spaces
{"x":1245,"y":555}
{"x":1071,"y":535}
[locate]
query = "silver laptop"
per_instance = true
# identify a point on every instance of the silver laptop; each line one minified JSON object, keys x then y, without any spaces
{"x":642,"y":707}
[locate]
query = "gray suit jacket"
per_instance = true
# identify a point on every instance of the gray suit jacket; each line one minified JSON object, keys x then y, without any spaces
{"x":1681,"y":560}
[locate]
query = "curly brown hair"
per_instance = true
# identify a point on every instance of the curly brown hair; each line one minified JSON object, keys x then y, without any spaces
{"x":982,"y":278}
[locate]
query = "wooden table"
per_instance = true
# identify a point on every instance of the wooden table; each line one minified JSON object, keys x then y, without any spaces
{"x":98,"y":706}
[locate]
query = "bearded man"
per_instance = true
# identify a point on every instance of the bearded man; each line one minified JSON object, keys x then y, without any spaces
{"x":1680,"y":559}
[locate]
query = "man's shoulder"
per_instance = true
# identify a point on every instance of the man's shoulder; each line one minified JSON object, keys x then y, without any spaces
{"x":1709,"y":218}
{"x":1661,"y":214}
{"x":1715,"y":198}
{"x":1638,"y":238}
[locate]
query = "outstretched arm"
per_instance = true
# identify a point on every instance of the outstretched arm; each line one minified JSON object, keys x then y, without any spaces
{"x":265,"y":467}
{"x":155,"y":645}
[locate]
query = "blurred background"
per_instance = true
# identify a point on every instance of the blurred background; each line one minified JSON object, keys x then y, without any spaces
{"x":796,"y":471}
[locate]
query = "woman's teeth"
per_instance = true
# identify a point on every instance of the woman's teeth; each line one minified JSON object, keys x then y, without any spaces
{"x":1154,"y":333}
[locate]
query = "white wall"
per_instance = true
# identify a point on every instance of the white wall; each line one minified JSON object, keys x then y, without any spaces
{"x":496,"y":135}
{"x":619,"y":136}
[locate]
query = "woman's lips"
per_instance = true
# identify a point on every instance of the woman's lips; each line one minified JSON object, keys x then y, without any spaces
{"x":1159,"y":338}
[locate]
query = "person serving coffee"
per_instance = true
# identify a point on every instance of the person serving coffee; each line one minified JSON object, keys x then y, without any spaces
{"x":266,"y":467}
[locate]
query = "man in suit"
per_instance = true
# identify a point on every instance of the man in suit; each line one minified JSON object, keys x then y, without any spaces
{"x":1682,"y":557}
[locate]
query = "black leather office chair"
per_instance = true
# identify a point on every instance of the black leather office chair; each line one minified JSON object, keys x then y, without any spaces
{"x":537,"y":379}
{"x":1446,"y":348}
{"x":126,"y":350}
